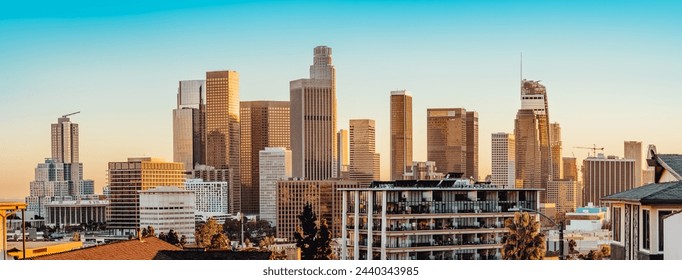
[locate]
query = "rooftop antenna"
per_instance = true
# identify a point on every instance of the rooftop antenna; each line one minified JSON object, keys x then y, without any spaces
{"x":521,"y":73}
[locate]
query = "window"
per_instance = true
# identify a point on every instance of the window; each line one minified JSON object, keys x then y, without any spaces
{"x":661,"y":216}
{"x":616,"y":224}
{"x":646,"y":217}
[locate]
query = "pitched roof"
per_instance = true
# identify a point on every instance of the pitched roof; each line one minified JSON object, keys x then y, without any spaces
{"x":134,"y":249}
{"x":673,"y":161}
{"x":212,"y":255}
{"x":661,"y":193}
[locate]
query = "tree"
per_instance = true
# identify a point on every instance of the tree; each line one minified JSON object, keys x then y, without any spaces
{"x":148,"y":232}
{"x":606,"y":251}
{"x":205,"y":233}
{"x":172,"y":237}
{"x":571,"y":246}
{"x":314,"y":241}
{"x":524,"y":240}
{"x":220,"y":241}
{"x":593,"y":255}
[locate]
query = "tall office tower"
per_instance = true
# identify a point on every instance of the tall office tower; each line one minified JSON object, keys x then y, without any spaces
{"x":65,"y":140}
{"x":555,"y":145}
{"x":313,"y":120}
{"x":633,"y":150}
{"x":222,"y":127}
{"x":275,"y":165}
{"x":503,"y":159}
{"x":364,"y":161}
{"x":401,"y":133}
{"x":127,"y":179}
{"x":49,"y":185}
{"x":323,"y":195}
{"x":342,"y":152}
{"x":564,"y":194}
{"x":452,"y":140}
{"x":531,"y":129}
{"x":263,"y":124}
{"x":604,"y":176}
{"x":570,"y":169}
{"x":189,"y":121}
{"x":211,"y":197}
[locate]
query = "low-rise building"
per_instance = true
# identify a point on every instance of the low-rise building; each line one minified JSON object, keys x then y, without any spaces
{"x":76,"y":212}
{"x":166,"y":208}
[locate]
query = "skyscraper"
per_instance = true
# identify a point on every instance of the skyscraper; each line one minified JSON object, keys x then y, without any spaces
{"x":503,"y":159}
{"x":263,"y":124}
{"x":222,"y":127}
{"x":189,"y":121}
{"x":342,"y":156}
{"x":603,"y":176}
{"x":364,"y":161}
{"x":401,"y":133}
{"x":452,"y":140}
{"x":275,"y":165}
{"x":633,"y":150}
{"x":531,"y":129}
{"x":65,"y":140}
{"x":555,"y":145}
{"x":313,"y":120}
{"x":570,"y":168}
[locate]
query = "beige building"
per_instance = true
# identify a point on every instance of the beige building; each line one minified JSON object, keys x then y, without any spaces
{"x":222,"y":127}
{"x":275,"y":165}
{"x":555,"y":146}
{"x":263,"y":124}
{"x":65,"y":140}
{"x":127,"y":179}
{"x":189,"y":119}
{"x":364,"y":161}
{"x":503,"y":159}
{"x":168,"y":208}
{"x":292,"y":196}
{"x":603,"y":176}
{"x":342,"y":153}
{"x":564,"y":194}
{"x":570,"y":168}
{"x":449,"y":133}
{"x":423,"y":170}
{"x":313,"y":120}
{"x":401,"y":133}
{"x":633,"y":150}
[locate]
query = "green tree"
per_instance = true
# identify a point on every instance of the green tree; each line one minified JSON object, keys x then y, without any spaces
{"x":524,"y":240}
{"x":314,"y":241}
{"x":205,"y":233}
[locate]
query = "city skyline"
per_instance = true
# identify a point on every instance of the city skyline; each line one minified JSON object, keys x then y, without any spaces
{"x":124,"y":80}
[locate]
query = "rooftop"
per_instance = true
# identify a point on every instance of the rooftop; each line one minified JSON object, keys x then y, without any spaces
{"x":673,"y":161}
{"x":657,"y":193}
{"x":134,"y":249}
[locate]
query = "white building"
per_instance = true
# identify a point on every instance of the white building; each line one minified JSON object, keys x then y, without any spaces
{"x":211,"y":198}
{"x":423,"y":170}
{"x":166,"y":208}
{"x":672,"y":226}
{"x":503,"y":159}
{"x":274,"y":164}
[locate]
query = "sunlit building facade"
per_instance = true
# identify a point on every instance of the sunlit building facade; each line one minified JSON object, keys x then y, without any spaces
{"x":452,"y":142}
{"x":364,"y":161}
{"x":503,"y":159}
{"x":168,"y":208}
{"x":603,"y":176}
{"x":401,"y":133}
{"x":275,"y":165}
{"x":189,"y":121}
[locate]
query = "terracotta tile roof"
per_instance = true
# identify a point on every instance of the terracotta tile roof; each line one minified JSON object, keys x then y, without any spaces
{"x":134,"y":249}
{"x":213,"y":255}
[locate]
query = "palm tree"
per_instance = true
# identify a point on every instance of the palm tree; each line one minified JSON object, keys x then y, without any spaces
{"x":524,"y":241}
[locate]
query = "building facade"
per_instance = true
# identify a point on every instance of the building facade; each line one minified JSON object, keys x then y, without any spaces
{"x":452,"y":142}
{"x":313,"y":120}
{"x":423,"y":170}
{"x":503,"y":159}
{"x":604,"y":176}
{"x":127,"y":179}
{"x":449,"y":219}
{"x":570,"y":168}
{"x":76,"y":212}
{"x":401,"y":133}
{"x":211,"y":198}
{"x":65,"y":140}
{"x":342,"y":153}
{"x":364,"y":161}
{"x":168,"y":208}
{"x":564,"y":194}
{"x":275,"y":165}
{"x":633,"y":150}
{"x":555,"y":147}
{"x":263,"y":124}
{"x":189,"y":123}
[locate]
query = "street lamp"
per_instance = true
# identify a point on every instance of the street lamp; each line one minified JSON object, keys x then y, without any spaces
{"x":560,"y":225}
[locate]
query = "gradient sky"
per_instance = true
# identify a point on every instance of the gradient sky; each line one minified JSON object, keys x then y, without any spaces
{"x":613,"y":71}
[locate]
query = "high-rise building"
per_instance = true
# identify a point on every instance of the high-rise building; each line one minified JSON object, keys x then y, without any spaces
{"x":222,"y":127}
{"x":503,"y":159}
{"x":342,"y":156}
{"x":555,"y":146}
{"x":452,"y":142}
{"x":49,"y":185}
{"x":313,"y":120}
{"x":168,"y":208}
{"x":364,"y":161}
{"x":401,"y":133}
{"x":275,"y":165}
{"x":212,"y":174}
{"x":127,"y":179}
{"x":211,"y":198}
{"x":603,"y":176}
{"x":633,"y":150}
{"x":423,"y":170}
{"x":189,"y":121}
{"x":293,"y":195}
{"x":564,"y":194}
{"x":570,"y":168}
{"x":65,"y":140}
{"x":531,"y":129}
{"x":263,"y":124}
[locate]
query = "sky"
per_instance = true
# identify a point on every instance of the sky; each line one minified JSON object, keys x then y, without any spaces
{"x":612,"y":69}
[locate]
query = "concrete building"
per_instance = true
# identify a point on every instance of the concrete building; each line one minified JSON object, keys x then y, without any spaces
{"x":189,"y":123}
{"x":638,"y":216}
{"x":401,"y":133}
{"x":222,"y":128}
{"x":555,"y":147}
{"x":275,"y":165}
{"x":342,"y":153}
{"x":364,"y":161}
{"x":65,"y":140}
{"x":49,"y":184}
{"x":633,"y":150}
{"x":127,"y":179}
{"x":292,"y":196}
{"x":570,"y":168}
{"x":263,"y":124}
{"x":76,"y":212}
{"x":448,"y":135}
{"x":603,"y":176}
{"x":585,"y":226}
{"x":564,"y":194}
{"x":166,"y":208}
{"x":450,"y":219}
{"x":672,"y":226}
{"x":212,"y":174}
{"x":211,"y":198}
{"x":313,"y":120}
{"x":503,"y":160}
{"x":423,"y":170}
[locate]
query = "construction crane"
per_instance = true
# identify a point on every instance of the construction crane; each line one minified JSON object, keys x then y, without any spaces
{"x":594,"y":149}
{"x":64,"y":116}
